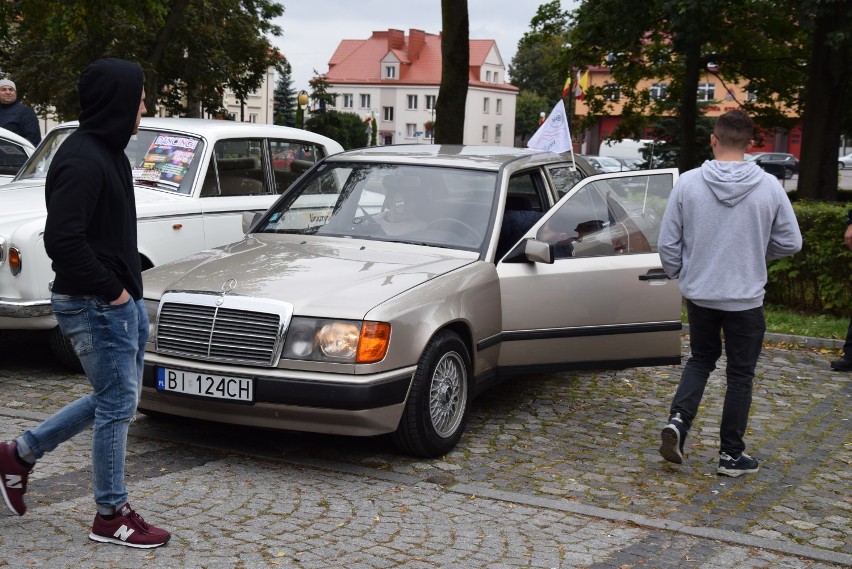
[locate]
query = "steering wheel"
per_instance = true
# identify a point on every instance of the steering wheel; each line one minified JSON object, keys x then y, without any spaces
{"x":371,"y":223}
{"x":457,"y":226}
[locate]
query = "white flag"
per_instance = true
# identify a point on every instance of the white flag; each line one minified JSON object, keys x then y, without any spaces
{"x":553,"y":135}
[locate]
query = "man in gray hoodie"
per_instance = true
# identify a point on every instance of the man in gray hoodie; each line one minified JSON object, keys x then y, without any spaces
{"x":723,"y":221}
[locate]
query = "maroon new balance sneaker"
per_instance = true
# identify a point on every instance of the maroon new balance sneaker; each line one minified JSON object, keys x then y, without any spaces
{"x":128,"y":528}
{"x":13,"y":477}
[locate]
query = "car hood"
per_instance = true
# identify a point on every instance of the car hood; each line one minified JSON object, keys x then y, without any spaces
{"x":321,"y":277}
{"x":23,"y":201}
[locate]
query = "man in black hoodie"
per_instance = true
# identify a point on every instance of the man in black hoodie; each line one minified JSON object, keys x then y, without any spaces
{"x":90,"y":235}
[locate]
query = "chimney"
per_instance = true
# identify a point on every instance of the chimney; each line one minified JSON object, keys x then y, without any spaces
{"x":416,"y":41}
{"x":396,"y":39}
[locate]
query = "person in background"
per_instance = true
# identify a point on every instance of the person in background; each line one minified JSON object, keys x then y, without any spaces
{"x":90,"y":235}
{"x":723,"y":221}
{"x":16,"y":116}
{"x":845,"y":361}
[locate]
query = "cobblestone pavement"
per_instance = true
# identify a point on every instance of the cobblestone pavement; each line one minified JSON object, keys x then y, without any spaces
{"x":557,"y":470}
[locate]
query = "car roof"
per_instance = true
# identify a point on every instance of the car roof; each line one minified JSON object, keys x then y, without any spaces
{"x":450,"y":155}
{"x":9,"y":135}
{"x":210,"y":128}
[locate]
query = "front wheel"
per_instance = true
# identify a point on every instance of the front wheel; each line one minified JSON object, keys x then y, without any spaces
{"x":439,"y":401}
{"x":63,"y":350}
{"x":788,"y":173}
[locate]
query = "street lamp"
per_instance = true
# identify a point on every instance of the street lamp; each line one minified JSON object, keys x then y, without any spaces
{"x":301,"y":102}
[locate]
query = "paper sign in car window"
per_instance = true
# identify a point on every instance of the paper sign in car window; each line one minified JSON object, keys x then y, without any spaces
{"x":167,"y":160}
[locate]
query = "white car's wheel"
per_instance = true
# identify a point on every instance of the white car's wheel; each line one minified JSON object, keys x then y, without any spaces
{"x":439,"y":402}
{"x":62,"y":349}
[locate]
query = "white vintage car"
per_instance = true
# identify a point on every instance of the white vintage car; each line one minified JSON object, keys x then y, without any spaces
{"x":193,"y":178}
{"x":14,"y":151}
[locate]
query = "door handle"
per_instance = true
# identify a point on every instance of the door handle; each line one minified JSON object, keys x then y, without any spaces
{"x":654,"y":275}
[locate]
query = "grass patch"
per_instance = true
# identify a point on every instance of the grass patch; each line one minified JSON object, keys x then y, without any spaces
{"x":780,"y":320}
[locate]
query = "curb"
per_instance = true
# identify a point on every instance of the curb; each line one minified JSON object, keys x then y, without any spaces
{"x":795,"y":341}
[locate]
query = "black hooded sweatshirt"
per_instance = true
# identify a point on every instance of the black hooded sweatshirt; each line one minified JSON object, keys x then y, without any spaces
{"x":90,"y":234}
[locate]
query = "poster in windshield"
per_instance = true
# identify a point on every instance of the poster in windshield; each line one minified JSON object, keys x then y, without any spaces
{"x":167,"y":160}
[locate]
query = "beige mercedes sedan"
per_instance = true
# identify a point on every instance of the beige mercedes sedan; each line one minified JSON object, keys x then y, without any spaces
{"x":389,"y":286}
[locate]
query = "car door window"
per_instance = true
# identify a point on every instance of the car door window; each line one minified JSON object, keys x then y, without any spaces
{"x":236,"y":169}
{"x":12,"y":157}
{"x":615,"y":216}
{"x":290,"y":159}
{"x":564,"y":178}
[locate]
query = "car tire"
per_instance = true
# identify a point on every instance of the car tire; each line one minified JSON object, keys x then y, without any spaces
{"x":840,"y":166}
{"x":64,"y":352}
{"x":438,"y":404}
{"x":788,"y":173}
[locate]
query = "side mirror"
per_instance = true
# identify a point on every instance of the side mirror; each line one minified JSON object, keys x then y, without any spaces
{"x":531,"y":251}
{"x":249,"y":219}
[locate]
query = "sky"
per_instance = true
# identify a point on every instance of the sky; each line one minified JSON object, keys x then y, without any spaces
{"x":312,"y":30}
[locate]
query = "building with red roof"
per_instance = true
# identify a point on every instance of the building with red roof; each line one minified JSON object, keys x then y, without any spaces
{"x":395,"y":78}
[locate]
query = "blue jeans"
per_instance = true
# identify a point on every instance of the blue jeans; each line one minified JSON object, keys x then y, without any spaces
{"x":743,"y":341}
{"x":110,"y":342}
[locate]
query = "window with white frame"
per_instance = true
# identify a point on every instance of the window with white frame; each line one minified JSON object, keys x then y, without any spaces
{"x":496,"y":77}
{"x":348,"y":100}
{"x":252,"y":118}
{"x":611,"y":92}
{"x":485,"y":134}
{"x":390,"y":72}
{"x":488,"y":77}
{"x":485,"y":105}
{"x":751,"y":96}
{"x":498,"y":133}
{"x":365,"y":101}
{"x":410,"y":130}
{"x":430,"y":101}
{"x":387,"y":113}
{"x":412,"y":101}
{"x":499,"y":109}
{"x":658,"y":91}
{"x":706,"y":91}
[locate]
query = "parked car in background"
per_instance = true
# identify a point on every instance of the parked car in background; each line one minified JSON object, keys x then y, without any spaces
{"x":333,"y":315}
{"x":14,"y":151}
{"x":632,"y":163}
{"x":603,"y":164}
{"x":193,"y":180}
{"x":780,"y":164}
{"x":845,"y":161}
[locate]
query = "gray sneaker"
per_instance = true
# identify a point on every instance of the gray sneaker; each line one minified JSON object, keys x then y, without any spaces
{"x":730,"y":466}
{"x":672,"y":439}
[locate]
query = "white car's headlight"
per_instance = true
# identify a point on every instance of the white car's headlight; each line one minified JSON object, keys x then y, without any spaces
{"x":344,"y":341}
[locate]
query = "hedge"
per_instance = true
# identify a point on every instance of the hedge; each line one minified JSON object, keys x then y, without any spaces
{"x":819,"y":277}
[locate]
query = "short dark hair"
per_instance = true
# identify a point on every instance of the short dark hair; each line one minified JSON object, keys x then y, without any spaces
{"x":734,"y":128}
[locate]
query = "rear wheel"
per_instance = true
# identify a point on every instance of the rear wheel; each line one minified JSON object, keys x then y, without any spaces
{"x":62,"y":349}
{"x":439,"y":402}
{"x":788,"y":173}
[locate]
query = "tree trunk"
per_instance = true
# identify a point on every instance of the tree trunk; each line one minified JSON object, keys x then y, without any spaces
{"x":155,"y":54}
{"x":455,"y":65}
{"x":689,"y":107}
{"x":829,"y":77}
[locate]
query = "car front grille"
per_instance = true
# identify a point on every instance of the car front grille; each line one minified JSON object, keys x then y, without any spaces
{"x":232,"y":329}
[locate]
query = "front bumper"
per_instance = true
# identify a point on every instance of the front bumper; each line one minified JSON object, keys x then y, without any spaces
{"x":25,"y":308}
{"x":285,"y":400}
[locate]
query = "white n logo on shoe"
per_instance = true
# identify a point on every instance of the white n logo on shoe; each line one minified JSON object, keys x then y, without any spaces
{"x":13,"y":481}
{"x":123,"y":533}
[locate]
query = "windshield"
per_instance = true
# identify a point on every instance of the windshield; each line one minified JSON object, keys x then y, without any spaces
{"x":164,"y":160}
{"x":441,"y":207}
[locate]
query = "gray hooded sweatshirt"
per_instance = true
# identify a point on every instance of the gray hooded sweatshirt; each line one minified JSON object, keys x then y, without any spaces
{"x":723,"y":221}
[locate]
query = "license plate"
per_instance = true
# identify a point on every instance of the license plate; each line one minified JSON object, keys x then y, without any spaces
{"x":205,"y":385}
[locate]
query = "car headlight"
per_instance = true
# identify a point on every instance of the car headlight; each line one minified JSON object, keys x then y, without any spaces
{"x":151,"y":308}
{"x":343,"y":341}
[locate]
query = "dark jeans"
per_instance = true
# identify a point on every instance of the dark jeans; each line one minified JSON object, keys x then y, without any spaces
{"x":847,"y":347}
{"x":743,"y":341}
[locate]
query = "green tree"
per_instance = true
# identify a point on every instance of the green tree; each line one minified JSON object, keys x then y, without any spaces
{"x":284,"y":98}
{"x":455,"y":70}
{"x":346,"y":128}
{"x":527,"y":110}
{"x":191,"y":50}
{"x":539,"y":63}
{"x":319,"y":93}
